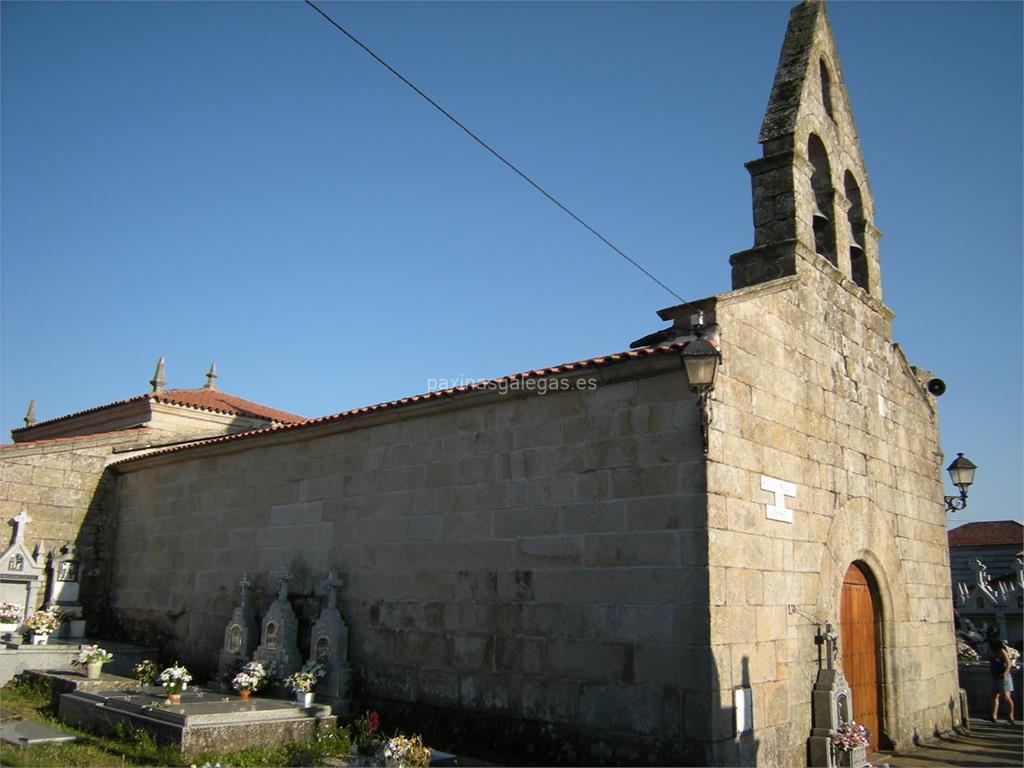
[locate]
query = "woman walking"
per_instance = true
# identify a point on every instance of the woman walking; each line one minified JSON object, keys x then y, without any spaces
{"x":1002,"y":683}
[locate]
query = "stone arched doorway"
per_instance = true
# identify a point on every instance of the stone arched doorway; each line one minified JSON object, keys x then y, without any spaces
{"x":859,"y":640}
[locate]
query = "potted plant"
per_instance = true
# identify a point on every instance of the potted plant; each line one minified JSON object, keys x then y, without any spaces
{"x":42,"y":624}
{"x":10,"y":618}
{"x":175,"y":679}
{"x":251,"y":678}
{"x":850,"y":742}
{"x":92,"y":657}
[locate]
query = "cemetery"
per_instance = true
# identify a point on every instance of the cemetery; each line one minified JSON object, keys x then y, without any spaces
{"x":267,"y":693}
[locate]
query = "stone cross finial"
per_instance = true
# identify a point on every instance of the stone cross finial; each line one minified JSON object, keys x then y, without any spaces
{"x":30,"y":415}
{"x":282,"y":584}
{"x":830,"y":641}
{"x":243,"y":587}
{"x":332,"y":584}
{"x":210,"y":376}
{"x":158,"y":380}
{"x":20,"y":521}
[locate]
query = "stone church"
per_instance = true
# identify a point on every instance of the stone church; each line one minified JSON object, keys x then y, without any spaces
{"x":597,"y":561}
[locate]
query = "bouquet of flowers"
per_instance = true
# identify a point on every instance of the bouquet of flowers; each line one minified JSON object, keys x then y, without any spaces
{"x":89,"y":654}
{"x":849,"y":736}
{"x":366,"y":733}
{"x":10,"y":613}
{"x":406,"y":752}
{"x":44,"y":622}
{"x":175,"y":679}
{"x":145,"y":672}
{"x":252,"y":677}
{"x":964,"y":652}
{"x":301,"y":682}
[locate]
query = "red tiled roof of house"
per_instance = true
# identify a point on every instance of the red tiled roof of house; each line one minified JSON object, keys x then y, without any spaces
{"x":996,"y":532}
{"x":204,"y":399}
{"x":594,"y":362}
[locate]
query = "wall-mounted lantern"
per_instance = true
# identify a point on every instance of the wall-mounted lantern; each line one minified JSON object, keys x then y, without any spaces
{"x":701,"y":359}
{"x":961,"y":472}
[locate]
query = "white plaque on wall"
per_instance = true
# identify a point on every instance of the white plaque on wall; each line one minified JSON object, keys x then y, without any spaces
{"x":781,"y":489}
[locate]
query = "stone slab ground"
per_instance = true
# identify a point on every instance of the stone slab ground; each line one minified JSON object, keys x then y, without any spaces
{"x":25,"y":733}
{"x":985,"y":745}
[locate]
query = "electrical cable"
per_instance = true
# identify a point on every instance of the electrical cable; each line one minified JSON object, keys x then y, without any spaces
{"x":490,"y":149}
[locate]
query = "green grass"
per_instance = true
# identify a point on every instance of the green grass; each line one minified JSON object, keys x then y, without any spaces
{"x":130,"y":747}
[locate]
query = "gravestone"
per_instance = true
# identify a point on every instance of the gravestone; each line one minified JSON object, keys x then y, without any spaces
{"x":62,"y":593}
{"x":241,"y":634}
{"x":279,"y":639}
{"x":20,"y":570}
{"x":328,"y":645}
{"x":831,"y":707}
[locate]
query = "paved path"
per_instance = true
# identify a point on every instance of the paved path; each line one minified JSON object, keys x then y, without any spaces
{"x":986,"y":745}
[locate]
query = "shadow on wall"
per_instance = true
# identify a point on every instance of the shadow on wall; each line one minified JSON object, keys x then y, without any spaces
{"x":745,"y":743}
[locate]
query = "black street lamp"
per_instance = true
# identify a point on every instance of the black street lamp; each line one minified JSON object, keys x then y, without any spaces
{"x":701,"y":359}
{"x":961,"y":472}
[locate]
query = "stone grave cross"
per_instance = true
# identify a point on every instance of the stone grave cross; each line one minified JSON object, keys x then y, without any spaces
{"x":328,"y":645}
{"x":240,"y":634}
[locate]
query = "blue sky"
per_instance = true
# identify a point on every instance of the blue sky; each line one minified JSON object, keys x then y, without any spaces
{"x":238,"y":182}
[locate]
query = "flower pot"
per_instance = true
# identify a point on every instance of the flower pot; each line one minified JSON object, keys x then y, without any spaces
{"x":304,"y":699}
{"x":174,"y":698}
{"x":855,"y":758}
{"x":245,"y":693}
{"x":93,"y":669}
{"x":39,"y":638}
{"x":7,"y":627}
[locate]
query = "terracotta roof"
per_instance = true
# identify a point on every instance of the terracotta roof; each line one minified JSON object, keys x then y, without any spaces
{"x":222,"y":402}
{"x":579,"y":365}
{"x":996,"y":532}
{"x":204,"y":399}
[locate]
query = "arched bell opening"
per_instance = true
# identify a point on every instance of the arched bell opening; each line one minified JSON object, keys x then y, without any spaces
{"x":823,"y":218}
{"x":857,"y":223}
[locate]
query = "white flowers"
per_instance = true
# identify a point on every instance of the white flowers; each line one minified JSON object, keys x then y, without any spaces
{"x":175,"y":679}
{"x":89,"y":654}
{"x":303,"y":682}
{"x":251,"y":677}
{"x":44,"y":622}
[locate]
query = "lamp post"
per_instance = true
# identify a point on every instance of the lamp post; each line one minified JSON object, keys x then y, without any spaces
{"x":961,"y":472}
{"x":701,"y":359}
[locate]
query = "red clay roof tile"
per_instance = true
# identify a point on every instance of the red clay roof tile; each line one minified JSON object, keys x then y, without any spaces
{"x":986,"y":534}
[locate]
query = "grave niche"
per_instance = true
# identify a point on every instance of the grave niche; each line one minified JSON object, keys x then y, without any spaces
{"x":241,"y":633}
{"x":20,"y":571}
{"x":328,"y":645}
{"x":62,"y":593}
{"x":278,"y":646}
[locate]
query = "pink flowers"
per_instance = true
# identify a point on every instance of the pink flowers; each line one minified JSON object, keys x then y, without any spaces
{"x":850,"y":736}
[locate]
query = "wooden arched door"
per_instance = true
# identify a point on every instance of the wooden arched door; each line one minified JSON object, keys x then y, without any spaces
{"x":858,"y":643}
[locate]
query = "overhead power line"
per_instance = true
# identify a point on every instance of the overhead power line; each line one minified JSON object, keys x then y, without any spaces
{"x":489,"y":148}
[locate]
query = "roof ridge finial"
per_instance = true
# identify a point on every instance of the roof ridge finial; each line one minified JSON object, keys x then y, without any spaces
{"x":210,"y":376}
{"x":158,"y":380}
{"x":30,"y":415}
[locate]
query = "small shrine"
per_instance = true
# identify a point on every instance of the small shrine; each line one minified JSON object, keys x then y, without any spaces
{"x":278,"y":649}
{"x":21,"y":571}
{"x":328,"y":645}
{"x":241,"y":633}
